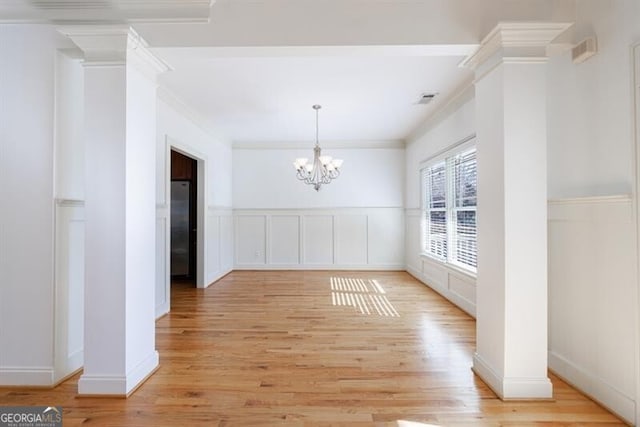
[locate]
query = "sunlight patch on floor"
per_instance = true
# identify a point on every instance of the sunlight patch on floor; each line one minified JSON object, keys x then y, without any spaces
{"x":403,"y":423}
{"x":367,"y":296}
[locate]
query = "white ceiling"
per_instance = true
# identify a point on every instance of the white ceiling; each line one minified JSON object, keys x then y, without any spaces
{"x":254,"y":68}
{"x":365,"y":96}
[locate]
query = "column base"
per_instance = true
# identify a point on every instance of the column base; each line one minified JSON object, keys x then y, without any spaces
{"x":119,"y":385}
{"x":512,"y":388}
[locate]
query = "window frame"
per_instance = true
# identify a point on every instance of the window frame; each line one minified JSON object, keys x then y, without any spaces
{"x":448,"y":157}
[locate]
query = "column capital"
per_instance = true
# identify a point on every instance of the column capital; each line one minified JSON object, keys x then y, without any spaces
{"x":516,"y":39}
{"x":118,"y":44}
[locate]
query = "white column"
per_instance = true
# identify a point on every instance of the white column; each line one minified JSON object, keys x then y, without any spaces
{"x":120,"y":116}
{"x":511,"y":126}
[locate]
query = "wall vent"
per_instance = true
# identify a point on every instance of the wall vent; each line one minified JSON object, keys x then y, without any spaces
{"x":426,"y":98}
{"x":584,"y":50}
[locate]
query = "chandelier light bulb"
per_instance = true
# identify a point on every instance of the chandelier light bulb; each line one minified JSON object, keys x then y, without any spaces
{"x":299,"y":163}
{"x":325,"y":160}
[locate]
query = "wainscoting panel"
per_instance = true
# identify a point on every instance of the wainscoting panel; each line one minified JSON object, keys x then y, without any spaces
{"x":226,"y":242}
{"x":351,"y":239}
{"x":593,"y":298}
{"x":218,"y":251}
{"x":318,"y":240}
{"x":213,"y":244}
{"x":347,"y":238}
{"x":69,"y":288}
{"x":251,"y":239}
{"x":162,"y":260}
{"x":412,"y":241}
{"x":219,"y":246}
{"x":454,"y":285}
{"x":284,"y":245}
{"x":384,"y":246}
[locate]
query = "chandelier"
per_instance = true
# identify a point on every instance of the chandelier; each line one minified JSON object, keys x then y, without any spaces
{"x":323,"y":168}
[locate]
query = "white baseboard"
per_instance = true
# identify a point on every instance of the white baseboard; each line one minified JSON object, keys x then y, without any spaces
{"x":512,"y":388}
{"x":460,"y":302}
{"x":162,"y":309}
{"x":217,"y":276}
{"x":118,"y":385}
{"x":22,"y":376}
{"x":332,"y":267}
{"x":487,"y":374}
{"x":73,"y":364}
{"x":594,"y":387}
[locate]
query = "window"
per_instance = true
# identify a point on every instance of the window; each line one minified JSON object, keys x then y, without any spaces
{"x":449,"y":209}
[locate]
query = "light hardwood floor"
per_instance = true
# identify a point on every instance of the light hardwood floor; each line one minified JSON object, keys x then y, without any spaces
{"x":314,"y":348}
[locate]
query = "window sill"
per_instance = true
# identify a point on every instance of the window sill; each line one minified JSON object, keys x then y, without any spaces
{"x":453,"y":268}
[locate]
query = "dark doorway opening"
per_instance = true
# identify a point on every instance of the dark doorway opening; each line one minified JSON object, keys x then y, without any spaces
{"x":184,"y":173}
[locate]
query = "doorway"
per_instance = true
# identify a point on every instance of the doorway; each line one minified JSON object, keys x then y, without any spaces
{"x":184,"y":219}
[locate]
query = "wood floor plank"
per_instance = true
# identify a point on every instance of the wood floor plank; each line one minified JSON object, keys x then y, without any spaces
{"x":314,"y":349}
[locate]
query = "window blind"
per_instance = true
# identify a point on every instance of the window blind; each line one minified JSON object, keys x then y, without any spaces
{"x":464,"y":230}
{"x":435,"y":237}
{"x":449,"y":226}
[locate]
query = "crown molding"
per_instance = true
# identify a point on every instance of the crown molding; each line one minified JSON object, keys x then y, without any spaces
{"x":139,"y":55}
{"x":101,"y":44}
{"x":107,"y":45}
{"x":301,"y":145}
{"x":96,"y":11}
{"x":190,"y":114}
{"x":518,"y":39}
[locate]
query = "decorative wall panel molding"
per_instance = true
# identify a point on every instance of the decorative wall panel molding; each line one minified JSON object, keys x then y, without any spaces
{"x":593,"y":298}
{"x":347,"y":238}
{"x":69,"y":288}
{"x":218,"y":250}
{"x":454,"y":285}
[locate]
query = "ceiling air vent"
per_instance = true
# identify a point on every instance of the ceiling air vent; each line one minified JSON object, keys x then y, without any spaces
{"x":584,"y":50}
{"x":426,"y":98}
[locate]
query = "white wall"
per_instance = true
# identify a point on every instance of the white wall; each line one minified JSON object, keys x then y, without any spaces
{"x":265,"y":179}
{"x":27,"y":87}
{"x":590,"y":147}
{"x":592,"y":246}
{"x":436,"y":138}
{"x":69,"y":146}
{"x":355,"y":222}
{"x":179,"y":127}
